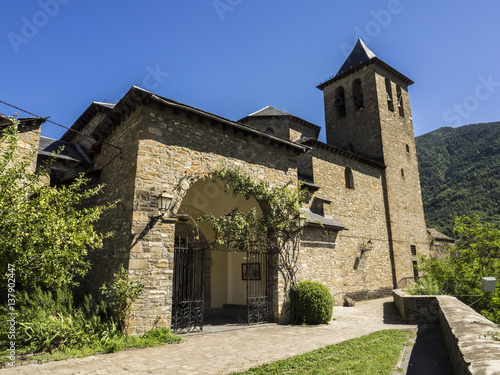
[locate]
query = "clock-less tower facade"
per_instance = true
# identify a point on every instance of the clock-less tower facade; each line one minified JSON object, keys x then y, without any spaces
{"x":367,"y":112}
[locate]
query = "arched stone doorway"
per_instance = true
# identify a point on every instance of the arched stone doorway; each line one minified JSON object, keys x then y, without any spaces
{"x":221,"y":287}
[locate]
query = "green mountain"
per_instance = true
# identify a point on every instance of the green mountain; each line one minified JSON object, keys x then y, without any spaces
{"x":460,"y":173}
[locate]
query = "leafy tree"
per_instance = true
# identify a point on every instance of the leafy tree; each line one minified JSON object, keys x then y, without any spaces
{"x":460,"y":174}
{"x":477,"y":246}
{"x":45,"y":231}
{"x":476,"y":254}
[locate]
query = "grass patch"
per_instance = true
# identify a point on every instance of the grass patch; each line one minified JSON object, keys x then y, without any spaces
{"x":154,"y":337}
{"x":376,"y":353}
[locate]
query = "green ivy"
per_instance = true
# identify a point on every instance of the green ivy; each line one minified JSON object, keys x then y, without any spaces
{"x":273,"y":231}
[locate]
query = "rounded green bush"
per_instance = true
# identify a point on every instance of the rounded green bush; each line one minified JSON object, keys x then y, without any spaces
{"x":312,"y":302}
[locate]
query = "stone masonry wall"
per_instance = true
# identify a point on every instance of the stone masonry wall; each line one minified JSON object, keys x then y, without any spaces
{"x":386,"y":136}
{"x":118,"y":176}
{"x":343,"y":268}
{"x":402,"y":179}
{"x":319,"y":260}
{"x":174,"y":150}
{"x":359,"y":129}
{"x":28,"y":141}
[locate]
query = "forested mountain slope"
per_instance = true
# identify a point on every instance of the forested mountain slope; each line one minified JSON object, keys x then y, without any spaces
{"x":460,"y":173}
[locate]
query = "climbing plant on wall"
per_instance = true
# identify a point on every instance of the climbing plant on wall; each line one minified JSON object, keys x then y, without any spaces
{"x":275,"y":231}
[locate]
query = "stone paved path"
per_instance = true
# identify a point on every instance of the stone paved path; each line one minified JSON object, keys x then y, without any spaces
{"x":236,"y":350}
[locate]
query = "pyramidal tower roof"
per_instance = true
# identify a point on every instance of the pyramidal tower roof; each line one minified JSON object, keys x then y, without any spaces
{"x":360,"y":56}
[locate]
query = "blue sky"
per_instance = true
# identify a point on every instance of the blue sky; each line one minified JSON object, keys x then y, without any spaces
{"x":233,"y":57}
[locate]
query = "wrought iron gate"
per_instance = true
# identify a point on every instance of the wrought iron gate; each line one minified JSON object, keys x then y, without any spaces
{"x":188,"y":286}
{"x":257,"y":276}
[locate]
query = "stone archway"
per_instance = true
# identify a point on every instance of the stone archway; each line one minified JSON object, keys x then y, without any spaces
{"x":229,"y":287}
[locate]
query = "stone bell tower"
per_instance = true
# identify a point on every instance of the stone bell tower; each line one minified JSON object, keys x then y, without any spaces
{"x":367,"y":111}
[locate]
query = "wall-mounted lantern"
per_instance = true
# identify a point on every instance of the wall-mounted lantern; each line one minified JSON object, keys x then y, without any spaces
{"x":300,"y":220}
{"x":164,"y":202}
{"x":369,"y":245}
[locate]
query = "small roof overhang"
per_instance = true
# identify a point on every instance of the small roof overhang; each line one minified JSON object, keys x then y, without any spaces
{"x":85,"y":117}
{"x":326,"y":221}
{"x":308,"y":184}
{"x":23,"y":121}
{"x":437,"y":235}
{"x":61,"y":150}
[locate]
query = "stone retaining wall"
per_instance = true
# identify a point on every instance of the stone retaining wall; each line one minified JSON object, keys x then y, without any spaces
{"x":468,"y":335}
{"x":416,"y":309}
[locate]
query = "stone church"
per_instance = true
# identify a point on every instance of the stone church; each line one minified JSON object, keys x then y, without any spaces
{"x":365,"y":220}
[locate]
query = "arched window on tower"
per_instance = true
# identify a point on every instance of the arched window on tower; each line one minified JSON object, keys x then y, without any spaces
{"x":349,"y":180}
{"x":388,"y":89}
{"x":400,"y":101}
{"x":270,"y":131}
{"x":357,"y":94}
{"x":339,"y":102}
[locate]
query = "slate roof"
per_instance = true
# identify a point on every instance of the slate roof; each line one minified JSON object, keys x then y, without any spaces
{"x":358,"y":58}
{"x":85,"y":117}
{"x":438,"y":235}
{"x":326,"y":221}
{"x":270,"y":111}
{"x":360,"y":54}
{"x":308,"y":183}
{"x":4,"y":120}
{"x":23,"y":121}
{"x":137,"y":96}
{"x":314,"y":143}
{"x":69,"y":151}
{"x":104,"y":104}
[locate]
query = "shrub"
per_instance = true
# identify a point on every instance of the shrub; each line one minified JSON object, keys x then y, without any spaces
{"x":312,"y":302}
{"x":122,"y":292}
{"x":424,"y":286}
{"x":47,"y":321}
{"x":53,"y":326}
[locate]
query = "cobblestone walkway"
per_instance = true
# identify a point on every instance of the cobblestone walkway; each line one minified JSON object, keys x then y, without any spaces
{"x":236,"y":350}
